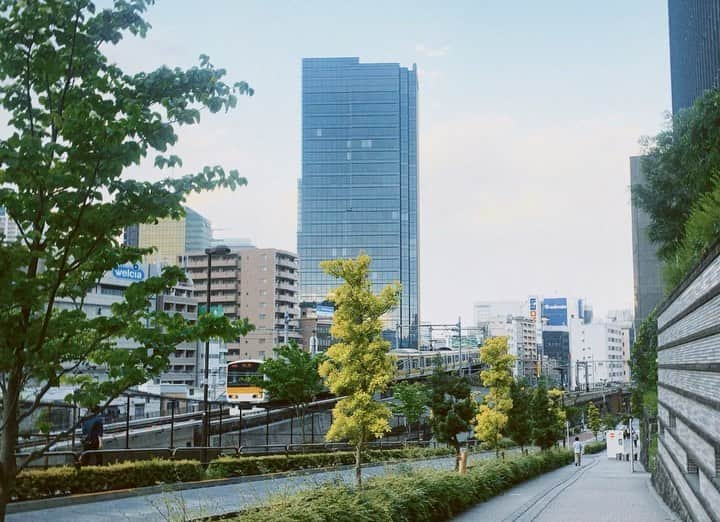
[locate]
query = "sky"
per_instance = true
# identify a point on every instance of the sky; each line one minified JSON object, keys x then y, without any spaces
{"x":528,"y":114}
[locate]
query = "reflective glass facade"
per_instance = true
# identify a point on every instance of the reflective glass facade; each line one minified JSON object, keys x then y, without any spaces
{"x":358,"y":191}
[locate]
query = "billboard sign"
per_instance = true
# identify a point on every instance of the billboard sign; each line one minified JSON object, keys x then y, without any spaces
{"x":129,"y":272}
{"x":555,"y":310}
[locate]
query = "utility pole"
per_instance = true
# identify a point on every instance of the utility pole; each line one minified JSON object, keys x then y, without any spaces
{"x":459,"y":325}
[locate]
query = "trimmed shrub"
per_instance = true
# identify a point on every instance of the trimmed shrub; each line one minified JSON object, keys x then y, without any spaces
{"x":420,"y":495}
{"x":53,"y":482}
{"x":594,"y":447}
{"x":66,"y":480}
{"x":243,"y":466}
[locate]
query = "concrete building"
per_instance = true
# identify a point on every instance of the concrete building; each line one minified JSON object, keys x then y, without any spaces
{"x":315,"y":323}
{"x":596,"y":354}
{"x":260,"y":284}
{"x":495,"y":317}
{"x":522,"y":344}
{"x":359,"y":186}
{"x":186,"y":363}
{"x":171,"y":237}
{"x":688,"y":361}
{"x":694,"y":49}
{"x":647,"y":269}
{"x":8,"y":228}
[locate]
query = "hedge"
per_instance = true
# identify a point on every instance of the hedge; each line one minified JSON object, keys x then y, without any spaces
{"x":594,"y":447}
{"x":418,"y":495}
{"x":66,"y":480}
{"x":242,"y":466}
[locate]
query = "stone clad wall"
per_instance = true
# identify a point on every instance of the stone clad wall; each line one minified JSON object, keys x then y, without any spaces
{"x":688,"y":475}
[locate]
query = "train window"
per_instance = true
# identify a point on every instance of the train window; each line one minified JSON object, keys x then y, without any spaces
{"x":415,"y":364}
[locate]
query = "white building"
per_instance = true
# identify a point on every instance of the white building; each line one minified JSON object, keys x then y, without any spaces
{"x":596,"y":354}
{"x":522,"y":344}
{"x":8,"y":228}
{"x":495,"y":317}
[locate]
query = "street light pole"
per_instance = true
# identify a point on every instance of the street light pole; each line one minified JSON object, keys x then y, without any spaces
{"x":218,"y":250}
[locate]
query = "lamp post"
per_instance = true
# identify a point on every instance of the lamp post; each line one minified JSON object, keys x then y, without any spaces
{"x":219,"y":250}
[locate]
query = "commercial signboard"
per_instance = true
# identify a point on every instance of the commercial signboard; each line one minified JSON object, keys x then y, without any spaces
{"x":325,"y":310}
{"x":555,"y":310}
{"x":129,"y":272}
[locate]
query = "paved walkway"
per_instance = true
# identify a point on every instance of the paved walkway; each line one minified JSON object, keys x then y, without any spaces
{"x":601,"y":490}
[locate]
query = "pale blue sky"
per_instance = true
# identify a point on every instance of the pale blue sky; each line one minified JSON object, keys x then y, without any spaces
{"x":528,"y":112}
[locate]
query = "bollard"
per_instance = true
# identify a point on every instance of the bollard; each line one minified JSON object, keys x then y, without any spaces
{"x":463,"y":461}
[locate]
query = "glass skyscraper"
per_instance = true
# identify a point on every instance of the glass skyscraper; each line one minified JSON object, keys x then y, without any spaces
{"x":694,"y":49}
{"x":359,"y":186}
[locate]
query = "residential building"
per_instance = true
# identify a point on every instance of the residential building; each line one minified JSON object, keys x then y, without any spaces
{"x":596,"y":354}
{"x":694,"y":49}
{"x":315,"y":323}
{"x":359,"y":187}
{"x":522,"y":344}
{"x":647,"y":269}
{"x":171,"y":238}
{"x":8,"y":228}
{"x":260,"y":284}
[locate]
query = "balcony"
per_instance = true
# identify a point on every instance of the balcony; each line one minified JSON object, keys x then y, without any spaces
{"x":285,"y":284}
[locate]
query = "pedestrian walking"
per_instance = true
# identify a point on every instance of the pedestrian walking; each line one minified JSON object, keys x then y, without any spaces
{"x":577,"y":448}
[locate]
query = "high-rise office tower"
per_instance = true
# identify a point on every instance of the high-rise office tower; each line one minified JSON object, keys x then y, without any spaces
{"x":359,"y":186}
{"x":171,"y":238}
{"x":647,"y":271}
{"x":694,"y":49}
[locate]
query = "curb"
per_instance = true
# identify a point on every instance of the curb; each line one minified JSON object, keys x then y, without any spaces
{"x":26,"y":506}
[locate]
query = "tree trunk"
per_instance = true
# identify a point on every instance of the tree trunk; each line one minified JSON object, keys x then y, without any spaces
{"x":358,"y":468}
{"x":8,"y":442}
{"x":456,"y":445}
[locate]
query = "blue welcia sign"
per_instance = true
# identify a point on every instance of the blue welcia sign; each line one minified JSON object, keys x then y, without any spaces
{"x":555,"y":310}
{"x":129,"y":272}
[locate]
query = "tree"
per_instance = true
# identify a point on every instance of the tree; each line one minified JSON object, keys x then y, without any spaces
{"x":359,"y":365}
{"x":412,"y":399}
{"x":452,"y":405}
{"x":497,"y":377}
{"x":643,"y":368}
{"x":292,"y":377}
{"x":681,"y":194}
{"x":76,"y":122}
{"x":593,"y":416}
{"x":519,"y":424}
{"x":548,"y":418}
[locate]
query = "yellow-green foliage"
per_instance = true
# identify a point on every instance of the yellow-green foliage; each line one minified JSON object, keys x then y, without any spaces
{"x":497,"y":377}
{"x":358,"y":366}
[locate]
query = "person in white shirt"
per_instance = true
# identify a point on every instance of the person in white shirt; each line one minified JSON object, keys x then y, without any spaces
{"x":577,"y":447}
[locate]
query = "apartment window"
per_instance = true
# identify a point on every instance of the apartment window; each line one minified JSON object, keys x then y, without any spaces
{"x":261,"y":354}
{"x":262,"y":316}
{"x":692,"y":466}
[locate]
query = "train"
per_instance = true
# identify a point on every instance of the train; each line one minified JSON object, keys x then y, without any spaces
{"x":242,"y":388}
{"x":416,"y":363}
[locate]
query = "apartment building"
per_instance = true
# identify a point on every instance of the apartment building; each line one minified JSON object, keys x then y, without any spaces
{"x":522,"y":344}
{"x":260,"y":284}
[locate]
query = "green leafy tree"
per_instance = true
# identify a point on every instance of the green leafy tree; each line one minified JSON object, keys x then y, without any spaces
{"x":643,"y":368}
{"x":358,"y":366}
{"x":412,"y":401}
{"x":519,"y":424}
{"x":452,"y":405}
{"x":76,"y":122}
{"x":497,"y":377}
{"x":292,"y":377}
{"x":548,"y":417}
{"x":593,"y":419}
{"x":681,"y":192}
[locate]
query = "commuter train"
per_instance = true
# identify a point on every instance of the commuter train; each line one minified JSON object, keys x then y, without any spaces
{"x":240,"y":386}
{"x":414,"y":363}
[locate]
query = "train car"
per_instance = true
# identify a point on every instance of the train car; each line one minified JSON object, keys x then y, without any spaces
{"x":240,"y":387}
{"x":412,"y":363}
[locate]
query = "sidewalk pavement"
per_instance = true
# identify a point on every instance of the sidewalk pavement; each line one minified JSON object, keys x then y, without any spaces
{"x":600,"y":490}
